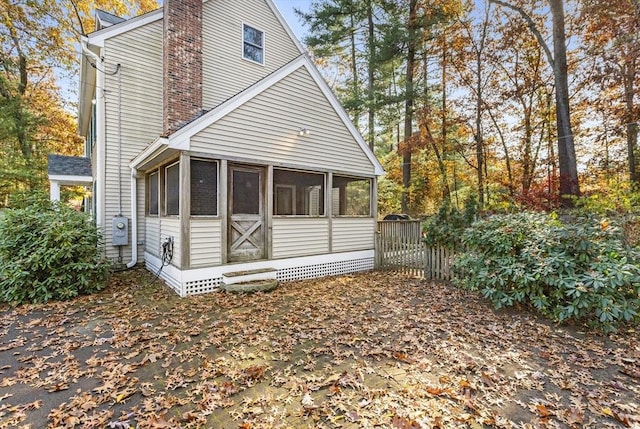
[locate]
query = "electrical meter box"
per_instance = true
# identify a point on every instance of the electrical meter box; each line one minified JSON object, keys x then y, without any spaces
{"x":120,"y":231}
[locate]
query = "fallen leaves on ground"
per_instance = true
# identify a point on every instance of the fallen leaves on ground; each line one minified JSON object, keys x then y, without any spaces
{"x":359,"y":351}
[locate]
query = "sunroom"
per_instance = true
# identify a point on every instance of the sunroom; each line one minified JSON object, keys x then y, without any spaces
{"x":207,"y":215}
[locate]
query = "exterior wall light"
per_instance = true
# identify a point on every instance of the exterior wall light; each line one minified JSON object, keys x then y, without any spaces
{"x":304,"y":132}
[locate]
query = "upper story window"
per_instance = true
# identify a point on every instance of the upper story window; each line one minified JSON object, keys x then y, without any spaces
{"x":252,"y":44}
{"x":91,"y":134}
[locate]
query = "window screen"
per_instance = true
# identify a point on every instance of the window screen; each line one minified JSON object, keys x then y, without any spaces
{"x":351,"y":196}
{"x":172,"y":189}
{"x":204,"y":188}
{"x":153,"y":193}
{"x":246,"y":192}
{"x":298,"y":193}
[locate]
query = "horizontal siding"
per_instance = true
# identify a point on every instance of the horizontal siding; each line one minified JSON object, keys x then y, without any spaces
{"x":170,"y":227}
{"x":152,"y":236}
{"x":293,"y":237}
{"x":206,"y":241}
{"x":266,"y":128}
{"x":353,"y":234}
{"x":225,"y":71}
{"x":139,"y":52}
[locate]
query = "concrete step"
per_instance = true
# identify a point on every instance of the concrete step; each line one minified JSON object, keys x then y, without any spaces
{"x":250,"y":287}
{"x":248,"y":281}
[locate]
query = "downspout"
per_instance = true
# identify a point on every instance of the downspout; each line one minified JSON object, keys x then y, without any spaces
{"x":88,"y":51}
{"x":134,"y":218}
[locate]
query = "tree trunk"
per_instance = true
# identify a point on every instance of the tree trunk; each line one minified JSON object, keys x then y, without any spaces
{"x":567,"y":162}
{"x":354,"y":70}
{"x":569,"y":186}
{"x":408,"y":106}
{"x":505,"y":147}
{"x":446,"y":191}
{"x":371,"y":75}
{"x":632,"y":125}
{"x":479,"y":136}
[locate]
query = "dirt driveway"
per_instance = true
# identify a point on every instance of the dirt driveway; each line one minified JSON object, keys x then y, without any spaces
{"x":361,"y":351}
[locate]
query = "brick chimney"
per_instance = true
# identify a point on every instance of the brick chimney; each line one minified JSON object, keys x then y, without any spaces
{"x":182,"y":50}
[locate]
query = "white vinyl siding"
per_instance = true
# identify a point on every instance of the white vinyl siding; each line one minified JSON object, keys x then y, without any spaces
{"x":206,"y":242}
{"x":170,"y":227}
{"x":225,"y":71}
{"x":152,"y":236}
{"x":267,"y":127}
{"x":139,"y":52}
{"x":353,"y":234}
{"x":293,"y":237}
{"x":156,"y":230}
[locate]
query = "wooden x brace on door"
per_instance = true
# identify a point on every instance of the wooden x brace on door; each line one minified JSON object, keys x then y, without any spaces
{"x":245,"y":234}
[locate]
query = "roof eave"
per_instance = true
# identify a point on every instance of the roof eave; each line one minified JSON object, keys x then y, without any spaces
{"x":86,"y":92}
{"x":98,"y":38}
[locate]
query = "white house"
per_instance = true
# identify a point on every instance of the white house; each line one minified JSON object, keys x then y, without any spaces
{"x":217,"y":147}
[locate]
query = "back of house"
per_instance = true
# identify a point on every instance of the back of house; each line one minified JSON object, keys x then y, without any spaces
{"x":216,"y":146}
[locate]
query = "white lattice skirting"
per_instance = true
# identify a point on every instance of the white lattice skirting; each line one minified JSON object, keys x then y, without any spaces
{"x":203,"y":280}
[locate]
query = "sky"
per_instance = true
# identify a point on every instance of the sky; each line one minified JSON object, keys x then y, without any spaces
{"x":286,"y":8}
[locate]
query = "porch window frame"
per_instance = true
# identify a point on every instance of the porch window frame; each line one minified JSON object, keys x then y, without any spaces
{"x":150,"y":174}
{"x":218,"y":167}
{"x":357,"y":216}
{"x":322,"y":201}
{"x":165,"y":191}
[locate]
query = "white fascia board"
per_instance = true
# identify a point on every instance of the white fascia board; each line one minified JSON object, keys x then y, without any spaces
{"x":180,"y":139}
{"x":285,"y":25}
{"x":86,"y":92}
{"x":64,"y":179}
{"x":158,"y":145}
{"x":100,"y":36}
{"x":379,"y":171}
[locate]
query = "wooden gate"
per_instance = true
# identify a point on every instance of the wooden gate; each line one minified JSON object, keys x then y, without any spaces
{"x":400,"y":247}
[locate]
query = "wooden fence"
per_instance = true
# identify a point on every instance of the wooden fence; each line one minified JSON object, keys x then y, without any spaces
{"x":400,"y":247}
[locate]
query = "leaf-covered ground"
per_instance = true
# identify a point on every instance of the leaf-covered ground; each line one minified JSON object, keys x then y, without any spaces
{"x":361,"y":351}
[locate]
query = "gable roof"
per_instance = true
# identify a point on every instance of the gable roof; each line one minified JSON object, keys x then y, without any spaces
{"x":180,"y":139}
{"x":61,"y":165}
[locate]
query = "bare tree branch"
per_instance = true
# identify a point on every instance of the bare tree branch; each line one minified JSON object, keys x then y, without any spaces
{"x":532,"y":27}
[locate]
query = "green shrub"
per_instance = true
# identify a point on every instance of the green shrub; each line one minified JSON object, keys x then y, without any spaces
{"x":48,"y":251}
{"x":447,"y":226}
{"x":578,"y":270}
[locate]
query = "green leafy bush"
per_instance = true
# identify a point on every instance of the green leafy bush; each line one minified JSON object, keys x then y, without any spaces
{"x":447,"y":226}
{"x":577,"y":270}
{"x":48,"y":251}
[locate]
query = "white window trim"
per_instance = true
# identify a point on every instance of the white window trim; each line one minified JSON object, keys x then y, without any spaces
{"x":370,"y":180}
{"x":264,"y":44}
{"x":218,"y":215}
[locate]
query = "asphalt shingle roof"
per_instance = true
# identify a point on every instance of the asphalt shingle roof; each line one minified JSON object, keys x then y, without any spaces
{"x":108,"y":17}
{"x":69,"y":165}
